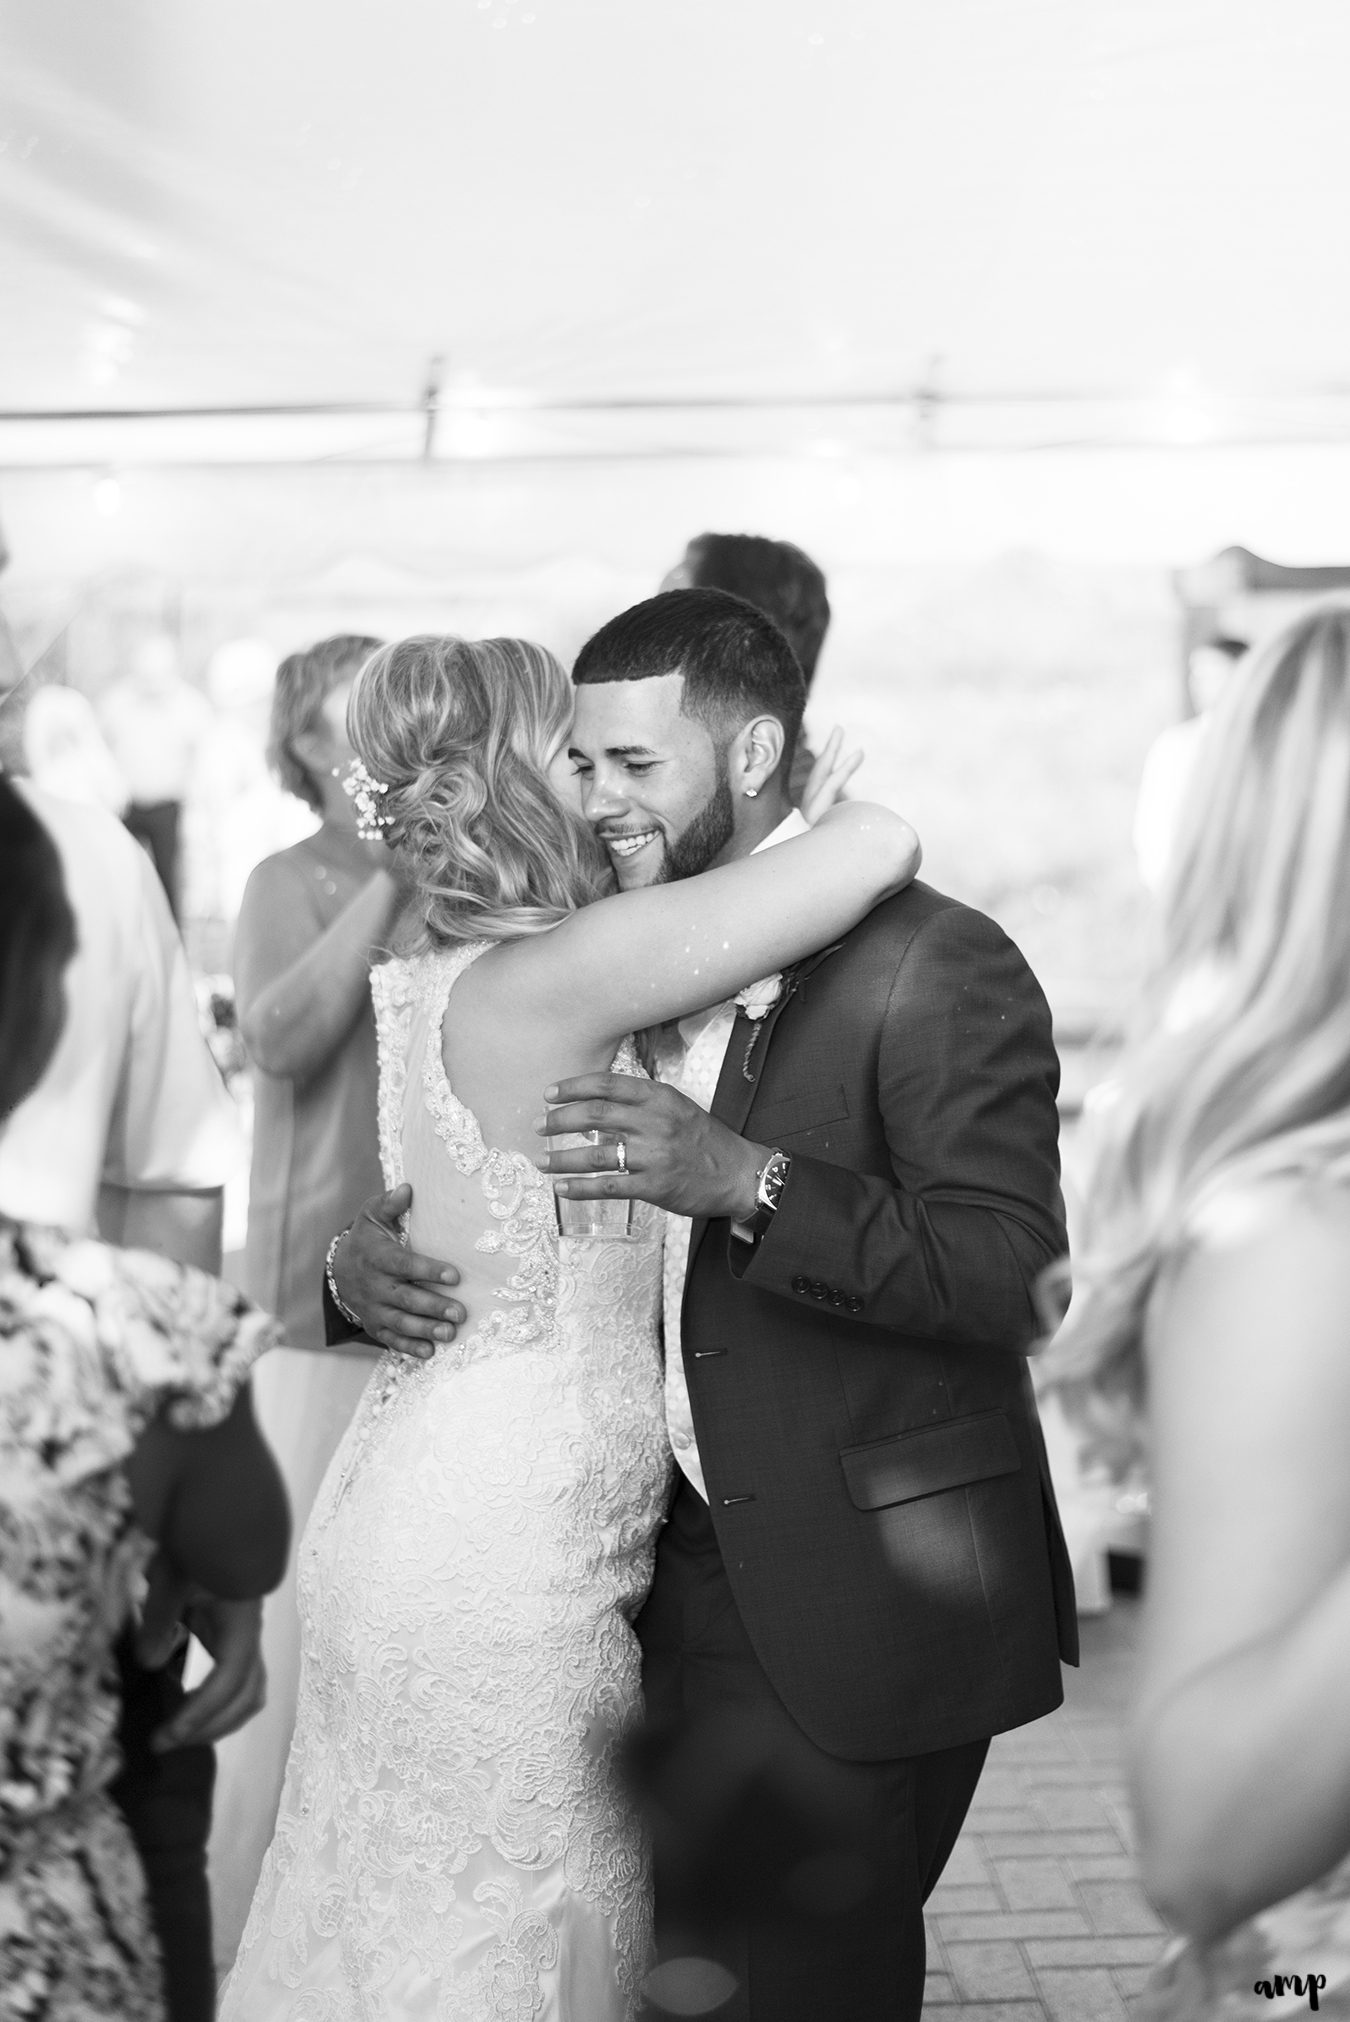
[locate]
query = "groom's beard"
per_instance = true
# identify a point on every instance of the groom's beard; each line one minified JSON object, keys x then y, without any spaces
{"x":707,"y":835}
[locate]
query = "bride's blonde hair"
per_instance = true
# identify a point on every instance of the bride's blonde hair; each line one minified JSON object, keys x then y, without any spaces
{"x":462,"y":732}
{"x":1239,"y":1068}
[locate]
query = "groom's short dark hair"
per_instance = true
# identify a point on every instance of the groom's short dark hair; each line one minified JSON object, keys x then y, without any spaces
{"x":735,"y":662}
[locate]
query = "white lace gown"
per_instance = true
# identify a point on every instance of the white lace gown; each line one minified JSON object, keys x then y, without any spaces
{"x":452,"y":1842}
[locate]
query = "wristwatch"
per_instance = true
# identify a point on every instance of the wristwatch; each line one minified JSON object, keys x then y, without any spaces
{"x":768,"y":1192}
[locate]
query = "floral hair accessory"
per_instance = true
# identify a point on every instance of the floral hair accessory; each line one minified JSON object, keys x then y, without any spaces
{"x":367,"y":792}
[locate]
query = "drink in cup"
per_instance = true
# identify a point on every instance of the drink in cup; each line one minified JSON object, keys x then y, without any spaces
{"x":592,"y":1221}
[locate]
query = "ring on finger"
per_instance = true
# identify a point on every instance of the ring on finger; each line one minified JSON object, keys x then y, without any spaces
{"x":621,"y":1155}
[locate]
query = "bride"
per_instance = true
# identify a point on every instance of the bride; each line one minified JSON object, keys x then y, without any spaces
{"x":452,"y":1844}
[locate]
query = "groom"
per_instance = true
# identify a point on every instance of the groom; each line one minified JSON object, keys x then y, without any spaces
{"x":862,"y":1578}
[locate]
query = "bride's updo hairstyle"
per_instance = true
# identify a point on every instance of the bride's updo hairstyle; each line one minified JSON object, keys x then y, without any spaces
{"x":461,"y":732}
{"x":1238,"y":1073}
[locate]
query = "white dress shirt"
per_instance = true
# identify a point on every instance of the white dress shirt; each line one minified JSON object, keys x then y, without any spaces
{"x":696,"y":1074}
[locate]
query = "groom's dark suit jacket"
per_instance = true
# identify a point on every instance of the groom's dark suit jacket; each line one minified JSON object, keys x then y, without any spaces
{"x":875,"y":1466}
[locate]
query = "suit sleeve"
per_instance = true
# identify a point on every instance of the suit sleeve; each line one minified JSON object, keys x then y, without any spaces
{"x":949,"y":1246}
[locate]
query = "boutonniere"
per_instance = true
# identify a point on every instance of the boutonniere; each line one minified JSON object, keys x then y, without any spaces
{"x":757,"y":999}
{"x":755,"y":1002}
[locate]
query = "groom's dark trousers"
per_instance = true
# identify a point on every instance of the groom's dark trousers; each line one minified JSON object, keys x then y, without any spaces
{"x":802,"y":1875}
{"x":878,"y":1582}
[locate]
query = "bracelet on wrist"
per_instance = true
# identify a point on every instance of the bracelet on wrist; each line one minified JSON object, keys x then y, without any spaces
{"x":352,"y":1319}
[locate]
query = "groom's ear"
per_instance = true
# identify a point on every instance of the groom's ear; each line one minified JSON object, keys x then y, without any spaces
{"x":755,"y":754}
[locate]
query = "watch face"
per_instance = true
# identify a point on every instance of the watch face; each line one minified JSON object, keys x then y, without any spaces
{"x":776,"y":1168}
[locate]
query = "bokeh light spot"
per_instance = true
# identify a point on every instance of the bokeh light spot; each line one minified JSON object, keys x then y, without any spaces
{"x":689,"y":1986}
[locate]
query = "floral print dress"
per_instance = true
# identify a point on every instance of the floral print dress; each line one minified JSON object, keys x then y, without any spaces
{"x":93,"y":1343}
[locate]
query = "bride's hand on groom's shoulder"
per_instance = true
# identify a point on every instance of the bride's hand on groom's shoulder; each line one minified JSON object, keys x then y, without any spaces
{"x":828,"y":777}
{"x":398,"y":1296}
{"x":674,"y":1153}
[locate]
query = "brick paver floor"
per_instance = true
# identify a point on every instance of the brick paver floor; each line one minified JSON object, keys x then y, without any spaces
{"x":1038,"y":1916}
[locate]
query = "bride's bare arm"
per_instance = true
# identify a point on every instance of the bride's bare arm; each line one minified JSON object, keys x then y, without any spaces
{"x":643,"y":956}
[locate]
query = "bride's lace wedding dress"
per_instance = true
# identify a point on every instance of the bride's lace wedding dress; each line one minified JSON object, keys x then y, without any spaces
{"x":452,"y":1844}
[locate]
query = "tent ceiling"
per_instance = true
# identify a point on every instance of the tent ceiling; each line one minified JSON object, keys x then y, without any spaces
{"x":628,"y":227}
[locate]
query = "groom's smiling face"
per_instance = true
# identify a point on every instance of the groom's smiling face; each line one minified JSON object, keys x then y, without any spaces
{"x":653,"y":782}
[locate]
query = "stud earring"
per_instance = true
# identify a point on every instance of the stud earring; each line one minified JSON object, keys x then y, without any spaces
{"x":750,"y":792}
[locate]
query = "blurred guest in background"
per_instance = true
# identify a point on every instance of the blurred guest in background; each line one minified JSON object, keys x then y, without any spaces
{"x":130,"y":1127}
{"x":778,"y":579}
{"x":124,"y":1417}
{"x":13,"y":686}
{"x":1216,"y":1295}
{"x":129,"y":1130}
{"x":156,"y":724}
{"x":313,"y":918}
{"x":1170,"y":762}
{"x":66,"y":752}
{"x":240,"y":812}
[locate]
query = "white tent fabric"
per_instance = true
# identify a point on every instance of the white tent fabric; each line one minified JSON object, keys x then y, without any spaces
{"x":628,"y":227}
{"x":815,"y":268}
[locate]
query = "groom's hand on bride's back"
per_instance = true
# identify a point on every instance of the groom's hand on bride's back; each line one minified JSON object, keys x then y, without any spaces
{"x":398,"y":1296}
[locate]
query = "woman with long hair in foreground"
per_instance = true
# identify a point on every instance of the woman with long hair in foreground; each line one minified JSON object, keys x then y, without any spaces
{"x":451,"y":1841}
{"x":1211,"y":1330}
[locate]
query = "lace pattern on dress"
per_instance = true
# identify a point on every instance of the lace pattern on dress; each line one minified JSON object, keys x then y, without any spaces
{"x":452,"y":1843}
{"x":522,"y":1207}
{"x":394,"y":997}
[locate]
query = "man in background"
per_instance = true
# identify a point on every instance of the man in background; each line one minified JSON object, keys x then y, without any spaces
{"x":156,"y":724}
{"x":777,"y":578}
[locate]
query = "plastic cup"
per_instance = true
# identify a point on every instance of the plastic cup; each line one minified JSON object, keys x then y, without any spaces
{"x":598,"y":1220}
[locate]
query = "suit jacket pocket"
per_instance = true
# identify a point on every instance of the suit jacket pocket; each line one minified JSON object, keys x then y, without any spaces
{"x":920,"y":1463}
{"x":794,"y":1113}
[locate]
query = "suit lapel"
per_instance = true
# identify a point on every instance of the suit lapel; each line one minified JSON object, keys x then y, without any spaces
{"x":747,"y":1050}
